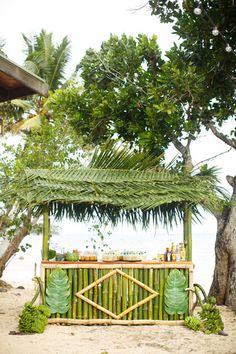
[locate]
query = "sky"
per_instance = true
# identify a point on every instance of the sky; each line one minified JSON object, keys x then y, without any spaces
{"x":88,"y":23}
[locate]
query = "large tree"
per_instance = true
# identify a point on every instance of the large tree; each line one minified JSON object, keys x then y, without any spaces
{"x":208,"y":34}
{"x":131,"y":92}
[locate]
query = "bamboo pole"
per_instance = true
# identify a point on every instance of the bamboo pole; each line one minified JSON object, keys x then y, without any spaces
{"x":156,"y":300}
{"x":137,"y":265}
{"x":74,"y":298}
{"x":165,"y":314}
{"x":161,"y":291}
{"x":131,"y":308}
{"x":130,"y":292}
{"x":46,"y":232}
{"x":69,"y":313}
{"x":124,"y":294}
{"x":85,"y":304}
{"x":110,"y":294}
{"x":118,"y":294}
{"x":190,"y":293}
{"x":90,"y":293}
{"x":113,"y":321}
{"x":188,"y":231}
{"x":105,"y":294}
{"x":145,"y":294}
{"x":95,"y":299}
{"x":140,"y":294}
{"x":135,"y":294}
{"x":114,"y":296}
{"x":103,"y":309}
{"x":79,"y":301}
{"x":99,"y":293}
{"x":150,"y":283}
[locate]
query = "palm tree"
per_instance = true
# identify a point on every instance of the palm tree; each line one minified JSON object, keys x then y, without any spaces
{"x":47,"y":60}
{"x":44,"y":59}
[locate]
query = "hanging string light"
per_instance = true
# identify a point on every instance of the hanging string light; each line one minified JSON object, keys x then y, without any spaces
{"x":215,"y":31}
{"x":197,"y":10}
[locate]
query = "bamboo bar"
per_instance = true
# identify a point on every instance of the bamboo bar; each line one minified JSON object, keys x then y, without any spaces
{"x":121,"y":292}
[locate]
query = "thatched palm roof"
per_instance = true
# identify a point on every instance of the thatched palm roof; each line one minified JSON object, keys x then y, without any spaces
{"x":115,"y":193}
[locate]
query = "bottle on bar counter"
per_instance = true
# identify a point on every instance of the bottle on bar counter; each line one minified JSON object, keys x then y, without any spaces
{"x":177,"y":253}
{"x":182,"y":252}
{"x":173,"y":252}
{"x":168,"y":255}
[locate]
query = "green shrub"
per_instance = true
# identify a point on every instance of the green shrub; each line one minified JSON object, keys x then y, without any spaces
{"x":33,"y":319}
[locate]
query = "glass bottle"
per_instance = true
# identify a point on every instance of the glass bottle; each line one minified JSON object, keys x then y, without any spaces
{"x":182,"y":252}
{"x":173,"y":254}
{"x":177,"y":253}
{"x":168,"y":255}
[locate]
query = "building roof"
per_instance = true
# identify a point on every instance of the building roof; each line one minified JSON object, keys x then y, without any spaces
{"x":17,"y":82}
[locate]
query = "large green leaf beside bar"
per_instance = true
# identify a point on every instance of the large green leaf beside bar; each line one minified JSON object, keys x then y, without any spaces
{"x":176,"y":297}
{"x":58,"y":292}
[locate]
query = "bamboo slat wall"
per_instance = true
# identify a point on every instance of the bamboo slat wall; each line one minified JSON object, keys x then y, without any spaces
{"x":122,"y":293}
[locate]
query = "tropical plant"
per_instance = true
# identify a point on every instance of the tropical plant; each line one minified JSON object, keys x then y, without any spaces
{"x":58,"y":291}
{"x":33,"y":319}
{"x":209,"y":320}
{"x":176,"y":297}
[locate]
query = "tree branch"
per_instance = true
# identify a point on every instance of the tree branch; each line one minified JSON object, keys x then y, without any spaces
{"x":213,"y":157}
{"x":223,"y":137}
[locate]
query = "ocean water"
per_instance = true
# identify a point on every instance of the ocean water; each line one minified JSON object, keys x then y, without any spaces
{"x":21,"y":268}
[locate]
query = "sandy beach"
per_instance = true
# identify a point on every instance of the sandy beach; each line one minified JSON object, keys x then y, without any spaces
{"x":109,"y":339}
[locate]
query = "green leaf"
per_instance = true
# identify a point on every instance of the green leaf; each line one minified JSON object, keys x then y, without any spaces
{"x":58,"y":291}
{"x":176,"y":298}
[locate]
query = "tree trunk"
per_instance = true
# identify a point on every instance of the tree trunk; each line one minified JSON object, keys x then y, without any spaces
{"x":223,"y":286}
{"x":12,"y":248}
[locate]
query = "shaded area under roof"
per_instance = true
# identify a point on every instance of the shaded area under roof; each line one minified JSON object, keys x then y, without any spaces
{"x":17,"y":82}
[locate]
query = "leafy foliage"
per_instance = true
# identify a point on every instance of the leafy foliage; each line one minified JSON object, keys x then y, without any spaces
{"x":193,"y":323}
{"x":34,"y":319}
{"x":176,"y":297}
{"x":114,"y":192}
{"x":58,"y":291}
{"x":210,"y":319}
{"x":45,"y":59}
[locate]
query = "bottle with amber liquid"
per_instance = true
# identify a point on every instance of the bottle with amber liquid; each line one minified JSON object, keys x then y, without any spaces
{"x":168,"y":255}
{"x":173,"y":254}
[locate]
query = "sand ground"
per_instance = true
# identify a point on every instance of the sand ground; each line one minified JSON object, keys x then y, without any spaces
{"x":110,"y":339}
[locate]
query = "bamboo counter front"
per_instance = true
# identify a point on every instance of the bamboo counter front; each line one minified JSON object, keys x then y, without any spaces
{"x":120,"y":292}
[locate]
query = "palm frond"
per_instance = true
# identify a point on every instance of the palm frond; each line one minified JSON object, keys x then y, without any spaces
{"x":114,"y":193}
